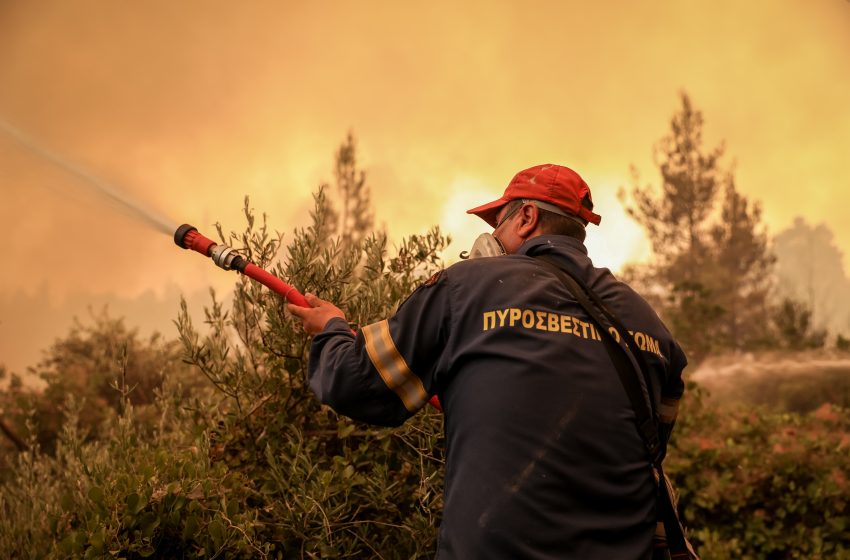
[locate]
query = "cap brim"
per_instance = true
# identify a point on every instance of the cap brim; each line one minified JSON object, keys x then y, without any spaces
{"x":489,"y":212}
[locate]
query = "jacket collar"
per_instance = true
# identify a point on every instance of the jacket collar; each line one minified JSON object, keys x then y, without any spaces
{"x":544,"y":244}
{"x":569,"y":250}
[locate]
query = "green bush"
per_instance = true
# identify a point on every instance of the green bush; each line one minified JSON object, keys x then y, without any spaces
{"x":758,"y":484}
{"x":252,"y":466}
{"x":90,"y":362}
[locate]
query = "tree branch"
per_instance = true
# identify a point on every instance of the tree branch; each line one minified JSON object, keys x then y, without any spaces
{"x":13,"y":437}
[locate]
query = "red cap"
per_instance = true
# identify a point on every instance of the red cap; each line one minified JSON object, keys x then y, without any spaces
{"x":550,"y":183}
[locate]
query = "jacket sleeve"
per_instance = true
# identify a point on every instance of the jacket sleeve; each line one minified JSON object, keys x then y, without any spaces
{"x":672,"y":391}
{"x":388,"y":370}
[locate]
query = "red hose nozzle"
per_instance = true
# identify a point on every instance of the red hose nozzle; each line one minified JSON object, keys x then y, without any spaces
{"x":189,"y":237}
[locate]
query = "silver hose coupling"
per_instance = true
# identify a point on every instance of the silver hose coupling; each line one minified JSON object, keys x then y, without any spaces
{"x":223,"y":256}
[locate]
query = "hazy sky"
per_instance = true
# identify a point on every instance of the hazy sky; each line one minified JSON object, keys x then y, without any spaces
{"x":189,"y":106}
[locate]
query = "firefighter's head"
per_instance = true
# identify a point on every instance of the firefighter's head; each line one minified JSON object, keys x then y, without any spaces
{"x":543,"y":199}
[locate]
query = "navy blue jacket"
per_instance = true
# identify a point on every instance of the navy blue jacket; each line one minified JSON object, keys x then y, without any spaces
{"x":544,"y":459}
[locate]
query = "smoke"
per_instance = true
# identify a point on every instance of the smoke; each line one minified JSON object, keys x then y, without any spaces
{"x":810,"y":268}
{"x":733,"y":367}
{"x":780,"y":381}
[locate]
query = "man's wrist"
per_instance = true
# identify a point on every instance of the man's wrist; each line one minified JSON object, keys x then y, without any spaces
{"x":336,"y":324}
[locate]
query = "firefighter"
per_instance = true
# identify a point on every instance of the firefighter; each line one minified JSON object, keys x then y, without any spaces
{"x":543,"y":458}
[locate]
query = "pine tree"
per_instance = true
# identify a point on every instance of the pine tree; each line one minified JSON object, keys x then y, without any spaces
{"x":794,"y":330}
{"x":712,"y":266}
{"x":676,"y":219}
{"x":349,"y":214}
{"x":741,"y":271}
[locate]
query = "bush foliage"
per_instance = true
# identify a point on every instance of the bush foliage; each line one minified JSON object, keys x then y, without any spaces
{"x":760,"y":484}
{"x":252,"y":465}
{"x":323,"y":485}
{"x":90,"y":363}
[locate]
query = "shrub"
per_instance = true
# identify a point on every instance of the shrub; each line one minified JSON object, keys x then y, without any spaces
{"x":253,"y":466}
{"x":758,"y":484}
{"x":90,"y":362}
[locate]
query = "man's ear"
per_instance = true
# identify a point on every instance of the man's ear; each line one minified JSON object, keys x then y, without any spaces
{"x":527,"y":221}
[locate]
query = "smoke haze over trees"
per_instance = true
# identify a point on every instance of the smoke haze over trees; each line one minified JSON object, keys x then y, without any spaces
{"x":810,"y":269}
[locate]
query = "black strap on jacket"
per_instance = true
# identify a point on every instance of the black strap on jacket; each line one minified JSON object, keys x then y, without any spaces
{"x":627,"y":361}
{"x":636,"y":379}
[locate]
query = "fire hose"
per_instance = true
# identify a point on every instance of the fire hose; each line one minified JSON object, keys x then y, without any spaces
{"x":188,"y":237}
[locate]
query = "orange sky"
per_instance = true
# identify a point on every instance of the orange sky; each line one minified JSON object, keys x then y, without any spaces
{"x":191,"y":105}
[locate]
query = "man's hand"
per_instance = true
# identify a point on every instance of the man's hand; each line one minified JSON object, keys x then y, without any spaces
{"x":316,"y":317}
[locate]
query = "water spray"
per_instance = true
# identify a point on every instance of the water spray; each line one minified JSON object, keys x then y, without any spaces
{"x":188,"y":237}
{"x":104,"y":188}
